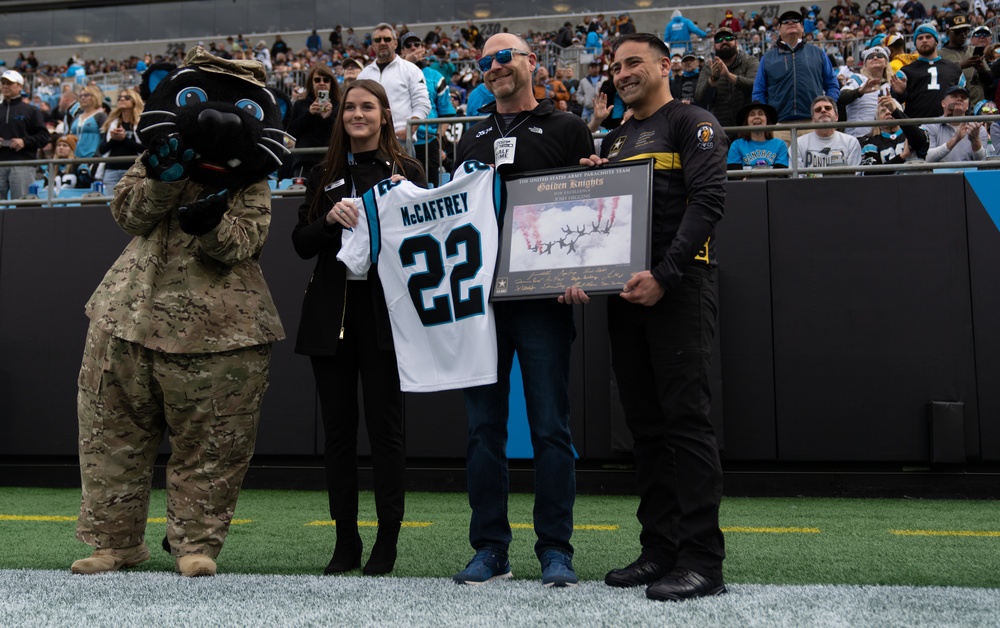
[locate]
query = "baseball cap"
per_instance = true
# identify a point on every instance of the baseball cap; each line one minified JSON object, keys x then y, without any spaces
{"x":724,"y":30}
{"x":689,"y":56}
{"x":407,"y":37}
{"x":351,"y":62}
{"x":956,"y":89}
{"x":13,"y":76}
{"x":958,"y":20}
{"x":982,"y":31}
{"x":790,"y":15}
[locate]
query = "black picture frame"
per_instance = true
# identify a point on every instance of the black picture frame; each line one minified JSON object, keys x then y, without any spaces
{"x":584,"y":227}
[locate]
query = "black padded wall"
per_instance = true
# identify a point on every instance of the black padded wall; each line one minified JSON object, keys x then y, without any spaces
{"x":872,"y":315}
{"x":747,"y":353}
{"x":51,"y":259}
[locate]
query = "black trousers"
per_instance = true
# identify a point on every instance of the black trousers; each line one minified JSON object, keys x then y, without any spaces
{"x":661,"y":357}
{"x":429,"y":156}
{"x":337,"y":384}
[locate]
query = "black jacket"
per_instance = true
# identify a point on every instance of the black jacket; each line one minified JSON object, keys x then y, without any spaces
{"x":19,"y":119}
{"x":310,"y":131}
{"x":324,"y":304}
{"x":546,"y":138}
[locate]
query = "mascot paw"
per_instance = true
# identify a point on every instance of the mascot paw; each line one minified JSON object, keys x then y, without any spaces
{"x":168,"y":160}
{"x":202,"y":216}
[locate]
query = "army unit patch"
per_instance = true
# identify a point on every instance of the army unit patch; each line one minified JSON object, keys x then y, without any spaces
{"x":706,"y":135}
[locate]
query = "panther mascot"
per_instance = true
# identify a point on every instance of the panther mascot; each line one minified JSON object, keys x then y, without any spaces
{"x":182,"y":324}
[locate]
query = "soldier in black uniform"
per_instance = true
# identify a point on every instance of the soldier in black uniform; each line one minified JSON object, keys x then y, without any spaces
{"x":661,"y":328}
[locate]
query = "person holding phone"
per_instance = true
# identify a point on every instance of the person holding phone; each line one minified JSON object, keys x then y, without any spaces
{"x":345,"y":330}
{"x":312,"y":119}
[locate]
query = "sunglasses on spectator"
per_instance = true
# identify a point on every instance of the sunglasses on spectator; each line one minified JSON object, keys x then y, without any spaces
{"x":124,"y":97}
{"x":321,"y":79}
{"x":787,"y":22}
{"x":381,"y":40}
{"x":413,"y":44}
{"x":875,"y":55}
{"x":722,"y":38}
{"x":503,"y":57}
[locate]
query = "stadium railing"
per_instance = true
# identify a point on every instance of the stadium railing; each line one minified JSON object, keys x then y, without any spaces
{"x":48,"y":197}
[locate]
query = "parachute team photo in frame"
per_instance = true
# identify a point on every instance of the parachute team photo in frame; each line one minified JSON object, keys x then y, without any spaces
{"x":582,"y":227}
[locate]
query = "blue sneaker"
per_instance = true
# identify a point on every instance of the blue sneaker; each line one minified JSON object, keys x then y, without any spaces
{"x":557,"y":569}
{"x":486,"y":566}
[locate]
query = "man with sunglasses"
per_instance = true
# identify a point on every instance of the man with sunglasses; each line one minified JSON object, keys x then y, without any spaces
{"x":404,"y":83}
{"x":724,"y":86}
{"x":426,"y":143}
{"x":523,"y":134}
{"x":793,"y":73}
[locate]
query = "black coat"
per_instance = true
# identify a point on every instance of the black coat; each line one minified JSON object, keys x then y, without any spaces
{"x":324,"y":304}
{"x":310,"y":130}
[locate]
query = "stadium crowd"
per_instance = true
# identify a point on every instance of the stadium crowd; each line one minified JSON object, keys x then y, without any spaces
{"x":857,"y":58}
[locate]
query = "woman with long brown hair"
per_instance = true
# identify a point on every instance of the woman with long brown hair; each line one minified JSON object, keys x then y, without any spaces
{"x":345,"y":330}
{"x":120,"y":139}
{"x":313,"y":117}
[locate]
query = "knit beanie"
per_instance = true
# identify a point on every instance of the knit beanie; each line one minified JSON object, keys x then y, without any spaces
{"x":70,"y":140}
{"x":928,"y":29}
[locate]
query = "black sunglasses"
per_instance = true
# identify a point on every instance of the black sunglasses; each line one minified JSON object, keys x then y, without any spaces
{"x":787,"y":22}
{"x":503,"y":57}
{"x":722,"y":38}
{"x":413,"y":44}
{"x":381,"y":40}
{"x":321,"y":79}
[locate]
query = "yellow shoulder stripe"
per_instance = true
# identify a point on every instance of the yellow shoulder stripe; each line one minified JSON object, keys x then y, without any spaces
{"x":664,"y":161}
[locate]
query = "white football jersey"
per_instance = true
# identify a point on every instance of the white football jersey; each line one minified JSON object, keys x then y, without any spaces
{"x":435,"y":252}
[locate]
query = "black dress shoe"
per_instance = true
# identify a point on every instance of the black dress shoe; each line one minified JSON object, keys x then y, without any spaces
{"x":684,"y":584}
{"x":640,"y":572}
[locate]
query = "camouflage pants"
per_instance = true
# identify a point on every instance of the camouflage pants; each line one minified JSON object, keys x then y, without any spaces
{"x":209,"y":405}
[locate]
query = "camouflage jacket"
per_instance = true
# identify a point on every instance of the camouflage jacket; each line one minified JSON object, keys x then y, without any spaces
{"x":178,"y":293}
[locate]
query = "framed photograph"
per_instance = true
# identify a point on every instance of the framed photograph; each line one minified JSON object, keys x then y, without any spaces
{"x":585,"y":227}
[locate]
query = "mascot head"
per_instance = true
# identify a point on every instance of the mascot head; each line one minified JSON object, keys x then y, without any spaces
{"x":222,"y":110}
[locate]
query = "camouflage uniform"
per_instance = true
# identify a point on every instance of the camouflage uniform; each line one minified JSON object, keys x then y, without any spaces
{"x":180,"y":340}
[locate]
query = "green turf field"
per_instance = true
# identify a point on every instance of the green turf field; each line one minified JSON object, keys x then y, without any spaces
{"x":769,"y":541}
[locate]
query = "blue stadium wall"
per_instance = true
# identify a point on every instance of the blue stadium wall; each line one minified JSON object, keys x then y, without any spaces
{"x":858,"y":323}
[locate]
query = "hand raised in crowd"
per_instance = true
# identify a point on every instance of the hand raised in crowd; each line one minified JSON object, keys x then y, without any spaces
{"x":870,"y":86}
{"x":889,"y":103}
{"x":721,"y":70}
{"x":898,"y":84}
{"x":971,"y":61}
{"x":601,"y":108}
{"x":321,"y":109}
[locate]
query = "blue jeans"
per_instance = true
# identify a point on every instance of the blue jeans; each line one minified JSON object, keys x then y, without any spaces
{"x":541,"y":333}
